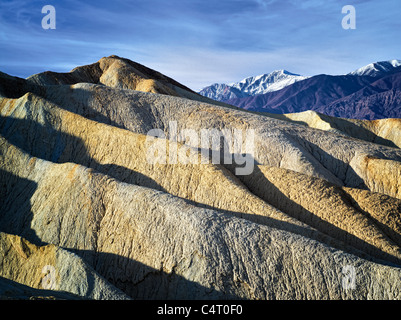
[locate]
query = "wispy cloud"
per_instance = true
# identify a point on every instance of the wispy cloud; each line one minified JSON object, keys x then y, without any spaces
{"x":200,"y":41}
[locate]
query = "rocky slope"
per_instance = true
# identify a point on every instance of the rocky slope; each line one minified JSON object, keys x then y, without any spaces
{"x":384,"y":131}
{"x":118,"y":72}
{"x":380,"y":99}
{"x":77,"y":178}
{"x":55,"y":273}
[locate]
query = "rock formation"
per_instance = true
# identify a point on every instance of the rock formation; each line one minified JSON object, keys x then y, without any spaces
{"x":55,"y":273}
{"x":81,"y":194}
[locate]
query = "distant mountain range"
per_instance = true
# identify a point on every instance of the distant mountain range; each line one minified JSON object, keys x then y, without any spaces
{"x":252,"y":86}
{"x":371,"y":92}
{"x":377,"y":69}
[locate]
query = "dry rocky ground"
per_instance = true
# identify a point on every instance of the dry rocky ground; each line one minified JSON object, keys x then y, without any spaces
{"x":80,"y":202}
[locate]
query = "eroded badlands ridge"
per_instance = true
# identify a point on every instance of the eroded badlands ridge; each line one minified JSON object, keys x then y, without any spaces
{"x":75,"y":175}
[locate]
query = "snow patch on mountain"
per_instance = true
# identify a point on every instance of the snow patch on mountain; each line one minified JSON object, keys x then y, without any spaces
{"x":377,"y":68}
{"x":265,"y":83}
{"x":252,"y":86}
{"x":222,"y":92}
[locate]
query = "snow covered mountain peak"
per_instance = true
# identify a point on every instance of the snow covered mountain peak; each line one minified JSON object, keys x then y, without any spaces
{"x":377,"y":68}
{"x":251,"y":86}
{"x":268,"y":82}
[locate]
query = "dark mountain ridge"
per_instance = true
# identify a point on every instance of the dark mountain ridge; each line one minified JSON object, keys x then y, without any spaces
{"x":346,"y":96}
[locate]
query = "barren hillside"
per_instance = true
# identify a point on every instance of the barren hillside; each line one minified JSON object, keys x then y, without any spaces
{"x":80,"y":189}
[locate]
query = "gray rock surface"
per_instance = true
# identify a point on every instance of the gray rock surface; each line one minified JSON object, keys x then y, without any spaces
{"x":153,"y":245}
{"x":49,"y":271}
{"x":318,"y":217}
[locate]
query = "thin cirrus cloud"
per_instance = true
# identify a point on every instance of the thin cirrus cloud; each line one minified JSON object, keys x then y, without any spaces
{"x":199,"y":42}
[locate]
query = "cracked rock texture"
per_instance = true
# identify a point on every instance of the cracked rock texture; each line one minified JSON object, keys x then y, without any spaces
{"x":79,"y":192}
{"x":51,"y":267}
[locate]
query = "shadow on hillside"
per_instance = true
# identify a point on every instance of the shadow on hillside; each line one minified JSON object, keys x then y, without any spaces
{"x":264,"y":189}
{"x":43,"y":141}
{"x":134,"y":278}
{"x":15,"y":206}
{"x":78,"y":101}
{"x":259,"y":185}
{"x":343,"y":171}
{"x":392,"y":234}
{"x":139,"y":281}
{"x":16,"y":291}
{"x":15,"y":88}
{"x":142,"y":282}
{"x":49,"y":144}
{"x":16,"y":218}
{"x":350,"y":129}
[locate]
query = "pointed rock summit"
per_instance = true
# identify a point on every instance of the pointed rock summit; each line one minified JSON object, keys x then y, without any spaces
{"x":252,"y":86}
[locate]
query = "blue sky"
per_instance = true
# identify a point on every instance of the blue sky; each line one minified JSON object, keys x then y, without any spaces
{"x":200,"y":42}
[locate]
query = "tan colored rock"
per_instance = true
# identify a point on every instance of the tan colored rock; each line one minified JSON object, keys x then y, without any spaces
{"x":384,"y":131}
{"x":328,"y":155}
{"x":329,"y":208}
{"x":120,"y":73}
{"x":124,"y":155}
{"x":156,"y":246}
{"x":54,"y":272}
{"x":382,"y":209}
{"x":11,"y":290}
{"x":79,"y":191}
